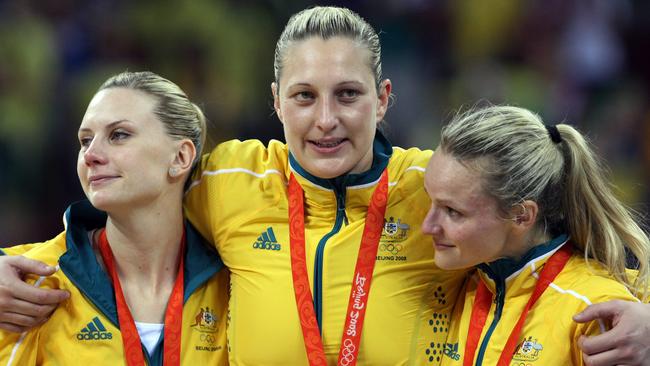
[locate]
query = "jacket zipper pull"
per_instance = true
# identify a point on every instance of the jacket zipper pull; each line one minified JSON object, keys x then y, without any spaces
{"x":340,"y":206}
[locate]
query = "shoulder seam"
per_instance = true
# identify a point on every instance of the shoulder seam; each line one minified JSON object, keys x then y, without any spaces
{"x":229,"y":171}
{"x":578,"y":296}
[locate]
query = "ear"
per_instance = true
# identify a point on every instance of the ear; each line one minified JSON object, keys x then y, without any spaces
{"x":524,"y":215}
{"x":383,"y":98}
{"x":183,"y":158}
{"x":276,"y":100}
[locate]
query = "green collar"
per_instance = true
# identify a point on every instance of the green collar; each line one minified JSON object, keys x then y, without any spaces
{"x":502,"y":268}
{"x":81,"y":267}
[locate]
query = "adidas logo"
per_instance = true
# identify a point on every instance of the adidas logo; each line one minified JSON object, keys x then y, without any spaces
{"x":451,"y":351}
{"x":267,"y":241}
{"x":95,"y":330}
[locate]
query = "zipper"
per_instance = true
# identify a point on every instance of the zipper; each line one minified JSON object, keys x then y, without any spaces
{"x":320,"y":249}
{"x":499,"y":301}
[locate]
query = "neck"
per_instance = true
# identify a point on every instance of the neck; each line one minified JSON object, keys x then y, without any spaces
{"x":521,"y":245}
{"x":145,"y":243}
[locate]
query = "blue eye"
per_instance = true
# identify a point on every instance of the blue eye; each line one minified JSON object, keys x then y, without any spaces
{"x":452,"y":213}
{"x":348,"y":94}
{"x":304,"y":96}
{"x":119,"y":135}
{"x":85,"y":141}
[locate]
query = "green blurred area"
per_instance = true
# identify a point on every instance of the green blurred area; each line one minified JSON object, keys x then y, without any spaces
{"x":581,"y":62}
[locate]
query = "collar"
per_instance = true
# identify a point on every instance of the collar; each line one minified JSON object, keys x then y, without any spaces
{"x":504,"y":269}
{"x":381,"y":153}
{"x":80,"y":265}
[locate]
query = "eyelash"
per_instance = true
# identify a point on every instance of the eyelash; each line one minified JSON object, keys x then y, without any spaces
{"x":115,"y":135}
{"x":85,"y":141}
{"x":119,"y":135}
{"x":452,"y":213}
{"x":303,"y":96}
{"x":347,"y":95}
{"x":342,"y":94}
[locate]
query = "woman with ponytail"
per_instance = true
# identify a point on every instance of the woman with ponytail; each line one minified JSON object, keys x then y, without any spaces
{"x":529,"y":206}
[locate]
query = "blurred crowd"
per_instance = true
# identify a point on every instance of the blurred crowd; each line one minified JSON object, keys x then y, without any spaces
{"x":583,"y":62}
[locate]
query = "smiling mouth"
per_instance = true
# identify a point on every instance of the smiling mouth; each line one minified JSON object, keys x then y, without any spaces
{"x":444,"y":245}
{"x":102,"y":179}
{"x":327,"y":143}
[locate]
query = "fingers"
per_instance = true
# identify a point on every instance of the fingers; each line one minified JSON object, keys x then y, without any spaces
{"x":12,"y":328}
{"x":22,"y":305}
{"x":26,"y":314}
{"x":26,"y":265}
{"x":597,"y":344}
{"x":19,"y":322}
{"x":614,"y":357}
{"x":612,"y":347}
{"x":605,"y":310}
{"x":22,"y":321}
{"x":600,"y":359}
{"x":29,"y":293}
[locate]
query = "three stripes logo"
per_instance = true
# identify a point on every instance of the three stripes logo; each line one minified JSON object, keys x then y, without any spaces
{"x":95,"y":330}
{"x":267,"y":241}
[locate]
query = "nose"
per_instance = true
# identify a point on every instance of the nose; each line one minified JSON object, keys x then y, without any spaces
{"x":431,"y":225}
{"x":94,"y":154}
{"x":327,"y":118}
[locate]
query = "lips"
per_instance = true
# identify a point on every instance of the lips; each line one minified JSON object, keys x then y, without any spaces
{"x":441,"y":246}
{"x":100,"y":179}
{"x":327,"y":143}
{"x":327,"y":146}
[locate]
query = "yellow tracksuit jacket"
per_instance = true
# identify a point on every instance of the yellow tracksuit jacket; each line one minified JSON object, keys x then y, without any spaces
{"x":238,"y":200}
{"x":84,"y":329}
{"x":549,"y":335}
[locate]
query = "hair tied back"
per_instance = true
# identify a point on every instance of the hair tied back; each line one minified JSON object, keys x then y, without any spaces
{"x":554,"y":133}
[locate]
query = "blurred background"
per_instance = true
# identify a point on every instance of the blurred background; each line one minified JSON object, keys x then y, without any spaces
{"x":581,"y":62}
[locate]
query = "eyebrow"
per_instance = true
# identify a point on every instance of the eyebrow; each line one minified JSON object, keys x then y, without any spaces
{"x":350,"y":82}
{"x":342,"y":83}
{"x":110,"y":125}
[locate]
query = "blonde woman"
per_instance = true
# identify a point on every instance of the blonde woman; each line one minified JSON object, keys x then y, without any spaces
{"x":144,"y":287}
{"x":529,"y":206}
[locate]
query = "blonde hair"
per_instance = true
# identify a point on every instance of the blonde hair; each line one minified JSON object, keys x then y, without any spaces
{"x":181,"y":117}
{"x":327,"y":22}
{"x":520,"y":159}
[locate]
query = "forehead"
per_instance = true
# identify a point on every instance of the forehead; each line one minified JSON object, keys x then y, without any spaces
{"x":446,"y":178}
{"x":329,"y":60}
{"x":115,"y":104}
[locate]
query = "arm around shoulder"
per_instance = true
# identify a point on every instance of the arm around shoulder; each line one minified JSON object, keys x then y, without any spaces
{"x":627,"y":342}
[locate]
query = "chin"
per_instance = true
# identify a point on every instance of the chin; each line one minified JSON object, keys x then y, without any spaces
{"x":448,"y":263}
{"x":327,"y":170}
{"x":105,"y":202}
{"x":100,"y":203}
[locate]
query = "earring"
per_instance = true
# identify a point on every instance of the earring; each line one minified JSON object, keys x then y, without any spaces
{"x":173,"y":172}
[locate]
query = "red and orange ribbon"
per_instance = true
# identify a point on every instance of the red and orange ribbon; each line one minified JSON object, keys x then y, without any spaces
{"x":483,"y":302}
{"x":361,"y":281}
{"x":173,"y":314}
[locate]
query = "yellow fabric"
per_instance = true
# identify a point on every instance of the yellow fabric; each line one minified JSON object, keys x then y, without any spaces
{"x":57,"y":342}
{"x":549,"y":332}
{"x":19,"y":249}
{"x":240,"y":191}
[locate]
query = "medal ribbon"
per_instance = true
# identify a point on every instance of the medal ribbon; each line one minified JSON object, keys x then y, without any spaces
{"x":360,"y":290}
{"x":483,"y":302}
{"x":173,"y":314}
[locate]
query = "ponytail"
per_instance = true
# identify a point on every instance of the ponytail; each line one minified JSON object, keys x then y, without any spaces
{"x":596,"y":220}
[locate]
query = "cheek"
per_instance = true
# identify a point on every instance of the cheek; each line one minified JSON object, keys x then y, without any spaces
{"x":81,"y":167}
{"x":293,"y":121}
{"x":469,"y":236}
{"x":362,"y":115}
